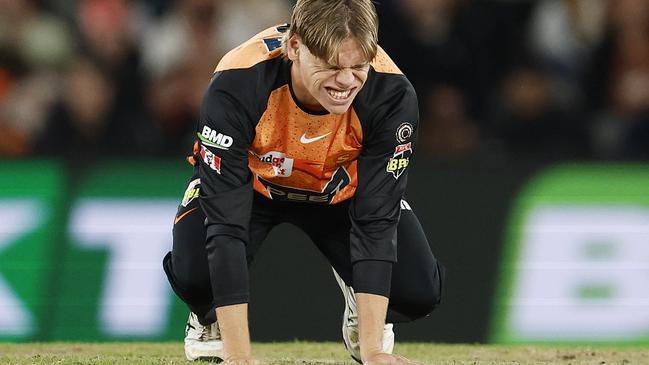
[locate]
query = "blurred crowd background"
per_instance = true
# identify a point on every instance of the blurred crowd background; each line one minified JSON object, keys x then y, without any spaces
{"x":497,"y":80}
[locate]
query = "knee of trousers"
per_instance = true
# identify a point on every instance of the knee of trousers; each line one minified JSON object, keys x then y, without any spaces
{"x":433,"y":293}
{"x":421,"y":302}
{"x":190,"y":290}
{"x":184,"y":275}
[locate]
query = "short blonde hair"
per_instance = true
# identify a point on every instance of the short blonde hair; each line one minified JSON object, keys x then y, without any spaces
{"x":324,"y":24}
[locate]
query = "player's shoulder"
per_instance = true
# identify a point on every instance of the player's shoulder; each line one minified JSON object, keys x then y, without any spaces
{"x":386,"y":79}
{"x":247,"y":74}
{"x":387,"y":96}
{"x":385,"y":84}
{"x":382,"y":63}
{"x":264,"y":46}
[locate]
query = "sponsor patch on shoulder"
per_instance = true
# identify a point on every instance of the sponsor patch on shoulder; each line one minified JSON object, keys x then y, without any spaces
{"x":212,"y":138}
{"x":210,"y":159}
{"x":403,"y":148}
{"x":404,"y":132}
{"x":400,"y":159}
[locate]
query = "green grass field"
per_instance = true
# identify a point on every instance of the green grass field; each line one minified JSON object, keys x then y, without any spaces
{"x":305,"y":353}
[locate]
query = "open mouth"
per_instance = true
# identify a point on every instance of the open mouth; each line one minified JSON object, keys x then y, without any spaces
{"x":339,"y":95}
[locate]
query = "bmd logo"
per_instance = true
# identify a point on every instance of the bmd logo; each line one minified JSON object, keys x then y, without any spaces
{"x":212,"y":138}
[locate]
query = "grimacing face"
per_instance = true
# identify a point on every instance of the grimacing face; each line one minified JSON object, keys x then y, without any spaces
{"x":320,"y":85}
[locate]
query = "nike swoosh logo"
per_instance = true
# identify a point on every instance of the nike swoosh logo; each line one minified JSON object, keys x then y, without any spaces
{"x":178,"y":218}
{"x":306,"y":140}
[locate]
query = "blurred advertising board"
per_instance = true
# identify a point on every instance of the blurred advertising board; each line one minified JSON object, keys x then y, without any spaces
{"x":82,"y":261}
{"x":576,"y":258}
{"x":81,"y":251}
{"x":31,"y":199}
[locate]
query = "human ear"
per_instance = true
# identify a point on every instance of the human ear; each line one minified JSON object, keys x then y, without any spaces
{"x":293,"y":47}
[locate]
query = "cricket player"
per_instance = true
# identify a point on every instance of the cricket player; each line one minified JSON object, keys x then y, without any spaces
{"x":311,"y":124}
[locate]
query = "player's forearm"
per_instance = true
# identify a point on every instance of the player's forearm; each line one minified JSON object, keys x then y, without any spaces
{"x":371,"y":319}
{"x":229,"y":278}
{"x":228,"y":267}
{"x":233,"y":324}
{"x":372,"y":285}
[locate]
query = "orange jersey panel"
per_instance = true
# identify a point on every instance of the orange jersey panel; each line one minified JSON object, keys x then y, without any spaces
{"x":266,"y":45}
{"x":384,"y":64}
{"x":257,"y":49}
{"x":302,"y":151}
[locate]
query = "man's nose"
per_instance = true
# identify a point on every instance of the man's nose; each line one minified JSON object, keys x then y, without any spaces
{"x":345,"y":77}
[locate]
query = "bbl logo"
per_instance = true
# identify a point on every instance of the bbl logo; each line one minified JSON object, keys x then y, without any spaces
{"x":400,"y":160}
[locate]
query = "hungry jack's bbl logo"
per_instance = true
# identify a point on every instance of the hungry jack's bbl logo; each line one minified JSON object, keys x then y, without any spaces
{"x":400,"y":159}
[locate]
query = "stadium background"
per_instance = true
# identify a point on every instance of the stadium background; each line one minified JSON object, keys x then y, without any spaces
{"x":530,"y":177}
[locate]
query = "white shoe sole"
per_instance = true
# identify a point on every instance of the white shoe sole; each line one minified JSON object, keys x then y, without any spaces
{"x":204,"y":350}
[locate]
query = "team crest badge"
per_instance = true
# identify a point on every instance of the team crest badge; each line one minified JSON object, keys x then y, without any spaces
{"x":404,"y":132}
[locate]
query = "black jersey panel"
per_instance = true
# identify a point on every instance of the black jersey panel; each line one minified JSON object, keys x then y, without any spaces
{"x":389,"y":115}
{"x":232,"y":106}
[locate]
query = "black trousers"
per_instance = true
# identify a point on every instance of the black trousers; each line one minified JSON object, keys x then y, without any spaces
{"x":417,"y":276}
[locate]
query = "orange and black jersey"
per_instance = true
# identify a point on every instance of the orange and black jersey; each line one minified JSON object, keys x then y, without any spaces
{"x":255,"y":135}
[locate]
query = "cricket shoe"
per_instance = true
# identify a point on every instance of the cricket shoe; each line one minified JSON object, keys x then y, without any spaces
{"x":350,"y":324}
{"x":202,"y":342}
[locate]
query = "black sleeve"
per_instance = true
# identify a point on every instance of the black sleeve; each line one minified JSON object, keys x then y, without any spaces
{"x":372,"y":277}
{"x":226,"y":132}
{"x":382,"y":175}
